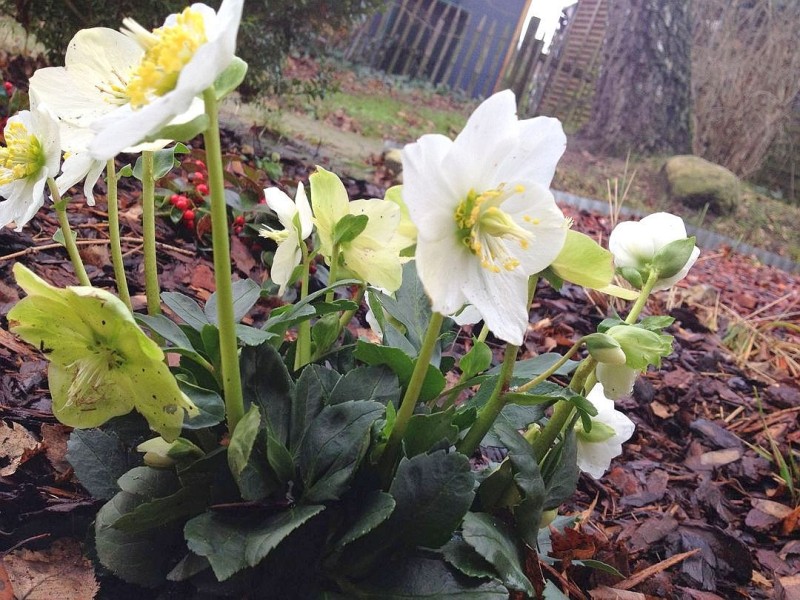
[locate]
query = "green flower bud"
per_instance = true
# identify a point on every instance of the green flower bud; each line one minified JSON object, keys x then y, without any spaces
{"x":642,"y":347}
{"x":605,"y":349}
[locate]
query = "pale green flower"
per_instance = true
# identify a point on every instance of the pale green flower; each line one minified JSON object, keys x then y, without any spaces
{"x":101,"y":364}
{"x":486,"y":219}
{"x":610,"y":429}
{"x":374,"y":254}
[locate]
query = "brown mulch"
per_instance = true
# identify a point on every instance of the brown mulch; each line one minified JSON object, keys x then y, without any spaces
{"x":690,"y":511}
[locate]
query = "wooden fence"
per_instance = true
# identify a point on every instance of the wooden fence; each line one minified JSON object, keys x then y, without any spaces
{"x":566,"y":85}
{"x":466,"y":45}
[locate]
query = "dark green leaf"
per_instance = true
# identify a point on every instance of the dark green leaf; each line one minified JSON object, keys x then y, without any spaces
{"x":411,"y":307}
{"x":189,"y":566}
{"x":58,"y":237}
{"x":246,"y":465}
{"x":246,"y":293}
{"x":99,"y":459}
{"x":314,"y":387}
{"x":561,"y":473}
{"x":166,"y":328}
{"x":209,"y":403}
{"x":221,"y":540}
{"x":533,"y":367}
{"x":348,"y":228}
{"x":377,"y":384}
{"x":282,"y":318}
{"x":464,"y":558}
{"x":280,"y":460}
{"x":493,"y":540}
{"x":186,"y":308}
{"x":583,"y":405}
{"x":332,"y":449}
{"x":528,"y":479}
{"x":159,"y":512}
{"x":433,"y":493}
{"x":250,"y":336}
{"x":130,"y":556}
{"x":399,"y":362}
{"x":266,"y":536}
{"x":477,"y":360}
{"x":426,"y":432}
{"x":426,"y":576}
{"x":374,"y":510}
{"x":656,"y":323}
{"x":267,"y":383}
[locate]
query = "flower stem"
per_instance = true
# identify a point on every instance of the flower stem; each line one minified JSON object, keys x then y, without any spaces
{"x":333,"y":274}
{"x":492,"y":407}
{"x":229,"y":353}
{"x":543,"y":376}
{"x":409,"y":402}
{"x":303,"y":349}
{"x":69,"y":239}
{"x":641,"y":301}
{"x":151,"y":287}
{"x":113,"y":232}
{"x":562,"y":412}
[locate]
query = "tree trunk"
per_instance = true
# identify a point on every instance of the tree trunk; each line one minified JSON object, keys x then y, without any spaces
{"x":643,"y":97}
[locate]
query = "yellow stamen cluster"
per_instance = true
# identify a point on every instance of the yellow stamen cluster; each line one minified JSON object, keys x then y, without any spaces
{"x":23,"y":155}
{"x":167,"y":50}
{"x":484,"y":228}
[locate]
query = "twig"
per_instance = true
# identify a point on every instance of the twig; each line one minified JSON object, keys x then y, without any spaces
{"x":644,"y":574}
{"x":130,"y":240}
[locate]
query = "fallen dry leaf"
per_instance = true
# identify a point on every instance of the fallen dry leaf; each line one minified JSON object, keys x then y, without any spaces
{"x":788,"y":588}
{"x":17,"y":444}
{"x":607,"y":593}
{"x":59,"y":572}
{"x":6,"y":589}
{"x":54,"y":438}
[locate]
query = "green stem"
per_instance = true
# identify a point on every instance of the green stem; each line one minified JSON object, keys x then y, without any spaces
{"x":484,"y":333}
{"x":302,"y":354}
{"x":563,"y":411}
{"x":493,"y":406}
{"x":229,"y":353}
{"x":69,"y":239}
{"x":347,"y":315}
{"x":333,"y":274}
{"x":409,"y":402}
{"x":543,"y":376}
{"x":151,"y":287}
{"x":113,"y":232}
{"x":641,"y":301}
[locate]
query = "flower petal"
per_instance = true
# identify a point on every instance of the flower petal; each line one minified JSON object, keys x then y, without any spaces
{"x":541,"y":144}
{"x":502,"y":300}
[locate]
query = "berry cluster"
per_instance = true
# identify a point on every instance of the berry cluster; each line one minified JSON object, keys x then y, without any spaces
{"x":186,"y":203}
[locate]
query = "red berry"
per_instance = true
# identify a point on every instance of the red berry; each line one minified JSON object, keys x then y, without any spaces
{"x":198,"y":177}
{"x":188,"y":215}
{"x":199,"y":164}
{"x":262,"y":200}
{"x":239,"y":220}
{"x":189,"y":224}
{"x":202,"y":189}
{"x":182,"y":203}
{"x":9,"y":87}
{"x":237,"y":229}
{"x":173,"y":199}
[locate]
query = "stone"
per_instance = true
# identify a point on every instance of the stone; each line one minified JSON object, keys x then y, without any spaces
{"x":696,"y":182}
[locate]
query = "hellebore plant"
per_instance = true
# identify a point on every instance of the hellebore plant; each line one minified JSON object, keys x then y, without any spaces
{"x":291,"y":459}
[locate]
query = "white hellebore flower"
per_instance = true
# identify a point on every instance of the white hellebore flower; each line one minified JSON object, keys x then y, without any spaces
{"x":297,"y":220}
{"x":610,"y":429}
{"x":486,"y":219}
{"x":635,"y":243}
{"x":31,"y":155}
{"x":181,"y":60}
{"x":98,"y":66}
